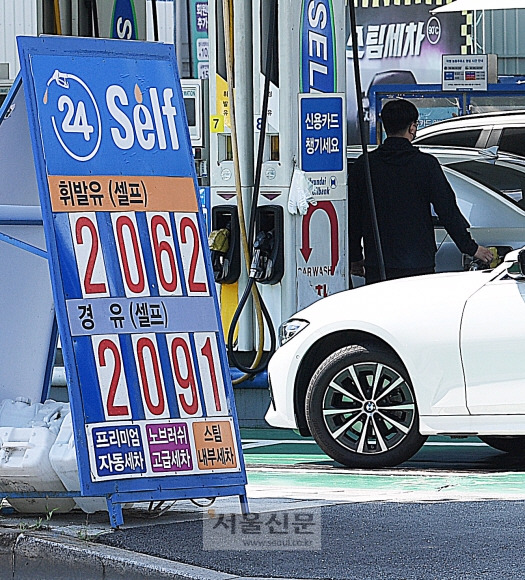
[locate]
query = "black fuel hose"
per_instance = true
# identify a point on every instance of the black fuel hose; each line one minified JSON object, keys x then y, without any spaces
{"x":251,"y":286}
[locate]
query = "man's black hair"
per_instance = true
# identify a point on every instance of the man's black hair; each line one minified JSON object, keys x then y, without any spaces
{"x":397,"y":116}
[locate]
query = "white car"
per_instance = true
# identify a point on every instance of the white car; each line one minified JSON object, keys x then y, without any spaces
{"x":504,"y":129}
{"x":371,"y":372}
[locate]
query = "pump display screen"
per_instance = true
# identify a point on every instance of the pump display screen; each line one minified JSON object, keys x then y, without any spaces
{"x":189,"y":105}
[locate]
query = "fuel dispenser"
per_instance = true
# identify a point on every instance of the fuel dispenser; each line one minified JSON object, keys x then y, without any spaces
{"x":195,"y":95}
{"x":223,"y":193}
{"x":285,"y":123}
{"x":309,"y":62}
{"x":225,"y":244}
{"x":268,"y":247}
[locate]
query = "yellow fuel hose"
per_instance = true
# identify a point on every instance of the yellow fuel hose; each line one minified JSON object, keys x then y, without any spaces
{"x":228,"y":15}
{"x":58,"y":23}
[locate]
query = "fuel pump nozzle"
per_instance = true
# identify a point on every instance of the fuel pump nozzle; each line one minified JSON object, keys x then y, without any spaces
{"x":261,"y":266}
{"x":498,"y":253}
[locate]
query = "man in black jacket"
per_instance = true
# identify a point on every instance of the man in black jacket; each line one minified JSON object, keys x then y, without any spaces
{"x":406,"y":182}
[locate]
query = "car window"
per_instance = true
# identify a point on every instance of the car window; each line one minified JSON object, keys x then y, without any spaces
{"x":513,"y":140}
{"x":506,"y":180}
{"x":483,"y":206}
{"x":455,"y":138}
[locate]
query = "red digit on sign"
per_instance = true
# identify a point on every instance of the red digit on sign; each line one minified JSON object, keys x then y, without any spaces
{"x":126,"y":222}
{"x":207,"y":352}
{"x":163,"y":247}
{"x":103,"y":347}
{"x":187,"y":381}
{"x":90,"y":287}
{"x":142,"y":345}
{"x":185,"y":223}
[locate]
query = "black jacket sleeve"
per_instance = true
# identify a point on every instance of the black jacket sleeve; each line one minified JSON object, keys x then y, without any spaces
{"x":444,"y":201}
{"x":355,"y":210}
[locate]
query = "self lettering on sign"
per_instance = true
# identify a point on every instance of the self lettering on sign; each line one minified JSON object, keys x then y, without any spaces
{"x":140,"y":122}
{"x":318,"y":58}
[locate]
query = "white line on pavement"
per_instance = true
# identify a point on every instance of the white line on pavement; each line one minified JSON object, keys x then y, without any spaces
{"x":254,"y":443}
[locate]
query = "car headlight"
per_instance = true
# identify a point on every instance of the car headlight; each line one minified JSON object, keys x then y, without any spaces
{"x":290,"y":328}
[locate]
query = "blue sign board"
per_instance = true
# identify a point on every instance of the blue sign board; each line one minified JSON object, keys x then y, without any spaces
{"x":150,"y":392}
{"x":124,"y":24}
{"x":204,"y":195}
{"x":318,"y":49}
{"x":321,"y":133}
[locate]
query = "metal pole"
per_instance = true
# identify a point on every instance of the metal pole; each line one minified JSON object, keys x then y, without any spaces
{"x":190,"y":39}
{"x":268,"y":69}
{"x":155,"y":20}
{"x":94,"y":14}
{"x":364,"y":141}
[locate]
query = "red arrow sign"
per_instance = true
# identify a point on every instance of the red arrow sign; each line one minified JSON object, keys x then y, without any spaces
{"x":306,"y":249}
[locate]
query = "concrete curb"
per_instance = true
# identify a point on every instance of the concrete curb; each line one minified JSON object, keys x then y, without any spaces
{"x":29,"y":555}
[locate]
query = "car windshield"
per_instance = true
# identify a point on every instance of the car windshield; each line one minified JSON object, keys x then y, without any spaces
{"x":506,"y":180}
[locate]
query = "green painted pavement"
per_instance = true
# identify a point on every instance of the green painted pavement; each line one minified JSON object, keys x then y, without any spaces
{"x":485,"y":485}
{"x":442,"y":469}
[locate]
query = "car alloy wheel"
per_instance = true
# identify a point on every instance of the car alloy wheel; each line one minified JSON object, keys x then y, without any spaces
{"x":361,"y":409}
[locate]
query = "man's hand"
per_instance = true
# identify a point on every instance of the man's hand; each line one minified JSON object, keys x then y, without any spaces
{"x":484,"y":254}
{"x":357,"y":268}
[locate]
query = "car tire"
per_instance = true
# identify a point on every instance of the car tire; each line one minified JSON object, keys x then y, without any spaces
{"x":510,"y":444}
{"x":361,"y":408}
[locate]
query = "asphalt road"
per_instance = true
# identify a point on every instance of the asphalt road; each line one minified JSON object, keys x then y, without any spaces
{"x":365,"y":541}
{"x":454,"y":511}
{"x":449,"y":523}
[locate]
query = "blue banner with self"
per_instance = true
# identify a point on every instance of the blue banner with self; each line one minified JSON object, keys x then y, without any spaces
{"x":150,"y":391}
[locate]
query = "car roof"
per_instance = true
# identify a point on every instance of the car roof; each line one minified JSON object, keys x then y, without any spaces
{"x":474,"y":120}
{"x":463,"y":160}
{"x":450,"y":154}
{"x":447,"y":155}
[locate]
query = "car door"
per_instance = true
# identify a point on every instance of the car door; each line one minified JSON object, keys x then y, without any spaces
{"x":494,"y":220}
{"x":492,"y":343}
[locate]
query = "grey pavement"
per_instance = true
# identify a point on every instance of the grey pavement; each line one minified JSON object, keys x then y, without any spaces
{"x":363,"y":541}
{"x":368,"y":541}
{"x":73,"y":546}
{"x":451,"y":513}
{"x":40,"y":555}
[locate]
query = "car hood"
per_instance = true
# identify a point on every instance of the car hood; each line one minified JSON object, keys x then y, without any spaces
{"x":416,"y":302}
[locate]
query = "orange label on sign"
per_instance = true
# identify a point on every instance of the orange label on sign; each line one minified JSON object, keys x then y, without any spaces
{"x":121,"y":193}
{"x":214,"y":445}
